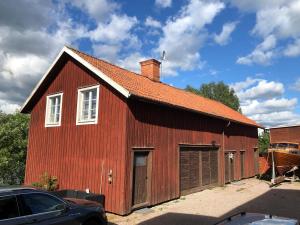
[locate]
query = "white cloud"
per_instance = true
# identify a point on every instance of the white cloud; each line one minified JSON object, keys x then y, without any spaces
{"x":239,"y":86}
{"x":277,"y":18}
{"x":262,"y":54}
{"x":281,"y":20}
{"x":131,"y":62}
{"x":296,"y":85}
{"x":274,"y":119}
{"x":224,"y":37}
{"x":8,"y":107}
{"x":293,"y":50}
{"x":106,"y":51}
{"x":99,"y":10}
{"x":150,"y":22}
{"x":116,"y":30}
{"x":261,"y":89}
{"x":269,"y":106}
{"x":163,"y":3}
{"x":263,"y":101}
{"x":183,"y":35}
{"x":255,"y":5}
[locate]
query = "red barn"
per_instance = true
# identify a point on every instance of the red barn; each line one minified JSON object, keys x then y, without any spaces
{"x":129,"y":136}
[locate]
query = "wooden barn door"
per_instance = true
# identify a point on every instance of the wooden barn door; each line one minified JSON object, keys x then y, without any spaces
{"x":140,"y":178}
{"x":242,"y":164}
{"x":198,"y":168}
{"x":229,"y":167}
{"x":189,"y":169}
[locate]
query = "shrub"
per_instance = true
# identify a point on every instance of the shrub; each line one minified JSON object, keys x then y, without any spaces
{"x":47,"y":182}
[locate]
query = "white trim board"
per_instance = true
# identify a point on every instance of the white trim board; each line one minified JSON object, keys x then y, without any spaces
{"x":93,"y":69}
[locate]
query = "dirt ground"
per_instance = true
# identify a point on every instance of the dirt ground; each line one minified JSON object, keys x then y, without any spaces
{"x":210,"y":206}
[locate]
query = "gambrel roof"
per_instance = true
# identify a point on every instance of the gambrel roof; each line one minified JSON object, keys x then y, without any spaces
{"x":132,"y":84}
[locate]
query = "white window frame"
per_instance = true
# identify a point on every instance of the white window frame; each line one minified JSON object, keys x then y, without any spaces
{"x":47,"y":123}
{"x":79,"y":105}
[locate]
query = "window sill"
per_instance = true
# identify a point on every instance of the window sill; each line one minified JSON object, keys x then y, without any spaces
{"x":86,"y":122}
{"x":52,"y":125}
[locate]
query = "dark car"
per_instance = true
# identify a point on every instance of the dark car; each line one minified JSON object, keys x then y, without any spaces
{"x":244,"y":218}
{"x":31,"y":206}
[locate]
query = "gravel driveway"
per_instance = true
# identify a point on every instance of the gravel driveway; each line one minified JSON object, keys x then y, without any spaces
{"x":209,"y":206}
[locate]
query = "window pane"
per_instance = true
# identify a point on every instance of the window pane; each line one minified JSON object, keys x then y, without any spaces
{"x":85,"y":114}
{"x":39,"y":203}
{"x":57,"y":118}
{"x":94,"y":94}
{"x":51,"y":119}
{"x":85,"y":96}
{"x":54,"y":109}
{"x":88,"y":105}
{"x":94,"y":104}
{"x":8,"y":207}
{"x":93,"y":114}
{"x":58,"y":100}
{"x":85,"y":105}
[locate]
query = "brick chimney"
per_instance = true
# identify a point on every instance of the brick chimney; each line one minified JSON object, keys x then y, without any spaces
{"x":151,"y":68}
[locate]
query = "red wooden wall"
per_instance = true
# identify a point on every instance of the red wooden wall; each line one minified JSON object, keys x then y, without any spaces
{"x":75,"y":153}
{"x":163,"y":129}
{"x":285,"y":134}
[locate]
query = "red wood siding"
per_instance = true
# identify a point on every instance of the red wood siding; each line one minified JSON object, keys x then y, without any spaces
{"x":285,"y":134}
{"x":164,"y":128}
{"x":75,"y":153}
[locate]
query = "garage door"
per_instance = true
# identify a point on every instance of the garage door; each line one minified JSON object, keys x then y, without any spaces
{"x":198,"y":168}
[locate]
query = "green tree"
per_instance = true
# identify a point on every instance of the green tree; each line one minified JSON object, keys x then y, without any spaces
{"x":13,"y":146}
{"x":263,"y":142}
{"x":218,"y":91}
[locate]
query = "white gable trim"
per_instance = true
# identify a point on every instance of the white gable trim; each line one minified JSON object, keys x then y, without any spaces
{"x":100,"y":74}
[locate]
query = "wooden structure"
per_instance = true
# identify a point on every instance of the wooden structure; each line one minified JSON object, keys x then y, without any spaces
{"x":151,"y":142}
{"x":285,"y":134}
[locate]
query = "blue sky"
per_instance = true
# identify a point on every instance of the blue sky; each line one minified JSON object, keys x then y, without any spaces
{"x":252,"y":45}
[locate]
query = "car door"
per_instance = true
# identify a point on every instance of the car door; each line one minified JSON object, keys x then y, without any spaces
{"x":9,"y":211}
{"x":42,"y":208}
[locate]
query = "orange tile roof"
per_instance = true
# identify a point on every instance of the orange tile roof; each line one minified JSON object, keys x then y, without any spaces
{"x":141,"y":86}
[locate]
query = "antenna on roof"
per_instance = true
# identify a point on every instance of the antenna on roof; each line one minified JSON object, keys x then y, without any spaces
{"x":162,"y":58}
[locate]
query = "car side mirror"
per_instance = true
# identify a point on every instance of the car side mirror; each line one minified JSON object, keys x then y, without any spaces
{"x":63,"y":208}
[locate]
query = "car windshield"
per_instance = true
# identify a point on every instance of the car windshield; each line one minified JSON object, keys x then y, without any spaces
{"x":39,"y":203}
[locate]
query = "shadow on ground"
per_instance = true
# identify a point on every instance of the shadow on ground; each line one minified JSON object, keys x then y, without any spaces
{"x":279,"y":202}
{"x":179,"y":219}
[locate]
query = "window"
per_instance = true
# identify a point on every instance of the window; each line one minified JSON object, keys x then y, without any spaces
{"x":8,"y":207}
{"x":40,"y":203}
{"x":87,"y":105}
{"x":53,"y":110}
